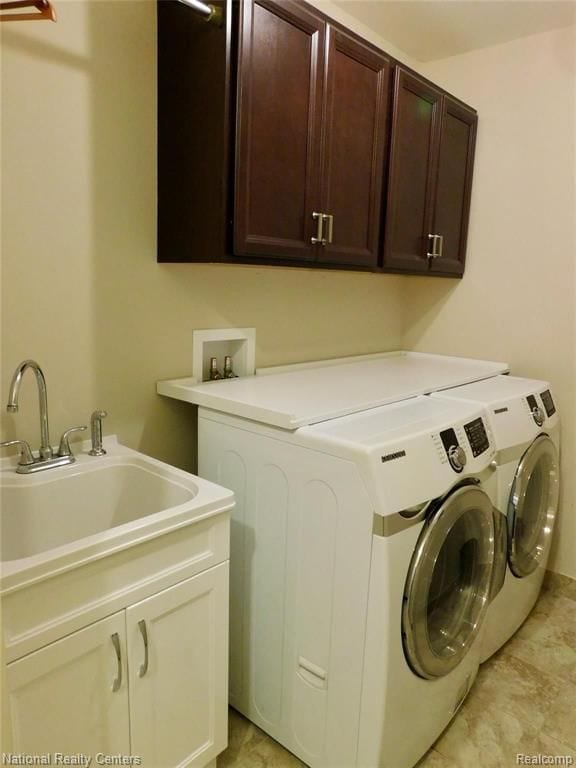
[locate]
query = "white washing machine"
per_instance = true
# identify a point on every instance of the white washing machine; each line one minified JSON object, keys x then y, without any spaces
{"x":362,"y":557}
{"x":526,"y":428}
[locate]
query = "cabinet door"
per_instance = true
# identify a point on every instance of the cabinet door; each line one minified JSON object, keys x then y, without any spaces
{"x":454,"y":186}
{"x":278,"y":130}
{"x":193,"y":133}
{"x":178,"y":651}
{"x":412,"y":176}
{"x":72,"y":696}
{"x":353,"y":149}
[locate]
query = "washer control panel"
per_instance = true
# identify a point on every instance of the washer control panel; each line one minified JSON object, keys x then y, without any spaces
{"x":454,"y":451}
{"x":477,"y":436}
{"x":537,"y":413}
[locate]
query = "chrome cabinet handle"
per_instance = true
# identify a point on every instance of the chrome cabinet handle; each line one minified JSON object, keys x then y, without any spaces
{"x":143,"y":667}
{"x":319,"y":218}
{"x":440,"y":246}
{"x":116,"y":643}
{"x":431,"y":252}
{"x":435,"y":246}
{"x":329,"y":219}
{"x":26,"y":456}
{"x":64,"y":449}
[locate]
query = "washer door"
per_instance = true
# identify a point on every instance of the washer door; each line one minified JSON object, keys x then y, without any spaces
{"x":532,"y":507}
{"x":448,"y":586}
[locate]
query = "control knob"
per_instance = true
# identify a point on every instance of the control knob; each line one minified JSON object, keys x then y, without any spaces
{"x":538,"y":415}
{"x":457,"y":457}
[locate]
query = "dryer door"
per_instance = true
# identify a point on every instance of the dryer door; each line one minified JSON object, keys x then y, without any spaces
{"x":448,"y":586}
{"x":532,"y":507}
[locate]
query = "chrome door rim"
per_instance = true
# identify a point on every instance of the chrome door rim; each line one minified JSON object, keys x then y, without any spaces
{"x":523,"y":564}
{"x":419,"y":652}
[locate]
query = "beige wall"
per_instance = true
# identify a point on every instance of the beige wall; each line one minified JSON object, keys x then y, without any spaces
{"x":516,"y":302}
{"x":82,"y":293}
{"x":340,"y":14}
{"x":81,"y":290}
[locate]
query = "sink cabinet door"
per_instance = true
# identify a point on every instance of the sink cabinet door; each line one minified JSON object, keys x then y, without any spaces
{"x":179,"y":685}
{"x":72,"y":695}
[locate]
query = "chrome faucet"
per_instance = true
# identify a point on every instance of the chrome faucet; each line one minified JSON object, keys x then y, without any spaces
{"x":12,"y":407}
{"x":46,"y":459}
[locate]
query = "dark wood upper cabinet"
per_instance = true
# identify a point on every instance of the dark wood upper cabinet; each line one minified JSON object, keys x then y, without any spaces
{"x":280,"y":93}
{"x":354,"y":143}
{"x":194,"y":113}
{"x":284,"y":139}
{"x":430,"y":178}
{"x":413,"y":162}
{"x":312,"y":108}
{"x":454,"y":185}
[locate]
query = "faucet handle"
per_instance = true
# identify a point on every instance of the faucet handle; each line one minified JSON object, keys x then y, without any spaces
{"x":26,"y":456}
{"x":64,"y":448}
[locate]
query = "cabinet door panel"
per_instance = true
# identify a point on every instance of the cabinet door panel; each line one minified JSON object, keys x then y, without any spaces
{"x":413,"y":164}
{"x":354,"y":143}
{"x":60,"y":698}
{"x":278,"y":123}
{"x":193,"y":126}
{"x":178,"y":688}
{"x":454,"y":185}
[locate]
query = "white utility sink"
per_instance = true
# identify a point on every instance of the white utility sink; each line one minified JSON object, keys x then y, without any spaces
{"x":111,"y":565}
{"x":59,"y":518}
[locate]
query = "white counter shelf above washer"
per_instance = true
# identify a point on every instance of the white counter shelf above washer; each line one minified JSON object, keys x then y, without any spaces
{"x":303,"y":396}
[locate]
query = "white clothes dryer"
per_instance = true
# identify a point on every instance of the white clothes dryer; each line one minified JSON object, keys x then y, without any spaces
{"x":362,"y":558}
{"x":526,"y":429}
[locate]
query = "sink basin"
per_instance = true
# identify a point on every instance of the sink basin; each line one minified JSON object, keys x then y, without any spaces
{"x":61,"y":517}
{"x":39,"y":516}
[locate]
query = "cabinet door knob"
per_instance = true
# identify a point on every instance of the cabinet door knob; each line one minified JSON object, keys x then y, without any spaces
{"x":144,"y":667}
{"x":319,"y":219}
{"x":118,"y":680}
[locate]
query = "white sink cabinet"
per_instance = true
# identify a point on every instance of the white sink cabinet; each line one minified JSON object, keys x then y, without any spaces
{"x":178,"y":707}
{"x":78,"y":696}
{"x":124,"y":649}
{"x":47,"y":692}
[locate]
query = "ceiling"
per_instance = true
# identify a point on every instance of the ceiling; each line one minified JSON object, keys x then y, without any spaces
{"x":435,"y":29}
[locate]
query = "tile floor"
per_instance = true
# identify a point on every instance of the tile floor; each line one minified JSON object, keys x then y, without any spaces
{"x":523,"y":701}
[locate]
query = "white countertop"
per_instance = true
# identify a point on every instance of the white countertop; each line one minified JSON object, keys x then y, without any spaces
{"x":303,"y":396}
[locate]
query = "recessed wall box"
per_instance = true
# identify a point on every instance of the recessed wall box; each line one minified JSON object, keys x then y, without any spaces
{"x":237,"y":343}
